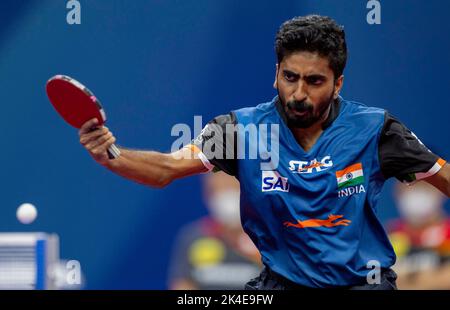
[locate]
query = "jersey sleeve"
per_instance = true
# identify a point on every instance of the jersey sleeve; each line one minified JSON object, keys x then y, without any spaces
{"x":216,"y":144}
{"x":402,"y":155}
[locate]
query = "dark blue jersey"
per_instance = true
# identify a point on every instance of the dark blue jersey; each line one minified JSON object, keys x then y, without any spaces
{"x":312,"y":214}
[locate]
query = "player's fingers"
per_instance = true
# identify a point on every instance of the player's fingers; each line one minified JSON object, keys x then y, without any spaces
{"x":95,"y":132}
{"x":99,"y":140}
{"x":87,"y":126}
{"x":93,"y":135}
{"x":102,"y":148}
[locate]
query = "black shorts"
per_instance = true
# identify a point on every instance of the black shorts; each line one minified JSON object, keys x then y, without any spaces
{"x":269,"y":280}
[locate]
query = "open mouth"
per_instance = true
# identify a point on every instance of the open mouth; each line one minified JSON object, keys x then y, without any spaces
{"x":299,"y":113}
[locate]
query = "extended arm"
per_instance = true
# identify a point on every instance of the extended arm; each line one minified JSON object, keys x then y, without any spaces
{"x":146,"y":167}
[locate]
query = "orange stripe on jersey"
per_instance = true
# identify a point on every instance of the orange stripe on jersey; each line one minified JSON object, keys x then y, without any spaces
{"x":193,"y":148}
{"x":441,"y":162}
{"x":348,"y":169}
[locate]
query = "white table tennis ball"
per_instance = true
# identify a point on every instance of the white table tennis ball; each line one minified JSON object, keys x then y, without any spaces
{"x":26,"y":213}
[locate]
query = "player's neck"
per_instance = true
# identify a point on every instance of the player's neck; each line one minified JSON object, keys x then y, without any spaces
{"x":307,"y":137}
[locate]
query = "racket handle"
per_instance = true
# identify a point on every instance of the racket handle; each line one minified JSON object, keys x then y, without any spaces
{"x":113,"y":152}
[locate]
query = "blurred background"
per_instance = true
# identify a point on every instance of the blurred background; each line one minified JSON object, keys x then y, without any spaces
{"x":155,"y":63}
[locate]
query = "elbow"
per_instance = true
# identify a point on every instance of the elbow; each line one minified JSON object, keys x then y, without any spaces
{"x":159,"y":182}
{"x":167,"y":176}
{"x":169,"y":171}
{"x":163,"y":181}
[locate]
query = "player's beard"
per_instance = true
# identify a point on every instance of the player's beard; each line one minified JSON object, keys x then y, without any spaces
{"x":310,"y":116}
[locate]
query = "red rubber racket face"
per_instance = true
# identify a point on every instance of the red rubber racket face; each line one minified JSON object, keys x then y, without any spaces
{"x":73,"y":101}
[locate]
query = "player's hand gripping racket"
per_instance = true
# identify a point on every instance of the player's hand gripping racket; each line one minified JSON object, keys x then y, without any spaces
{"x":76,"y":104}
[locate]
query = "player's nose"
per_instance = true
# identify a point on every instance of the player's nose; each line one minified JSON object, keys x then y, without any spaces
{"x":300,"y":92}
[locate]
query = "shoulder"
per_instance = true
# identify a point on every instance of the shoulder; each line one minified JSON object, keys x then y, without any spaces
{"x":356,"y":108}
{"x":257,"y":112}
{"x":356,"y":114}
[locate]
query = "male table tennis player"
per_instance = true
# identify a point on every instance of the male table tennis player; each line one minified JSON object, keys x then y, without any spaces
{"x":313,"y":216}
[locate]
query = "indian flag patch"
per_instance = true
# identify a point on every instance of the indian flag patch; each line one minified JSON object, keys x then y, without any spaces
{"x":350,"y":176}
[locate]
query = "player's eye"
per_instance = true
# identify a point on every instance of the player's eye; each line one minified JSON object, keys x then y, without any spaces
{"x":290,"y":77}
{"x":314,"y":80}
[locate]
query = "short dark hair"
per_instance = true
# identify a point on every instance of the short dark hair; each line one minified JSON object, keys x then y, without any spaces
{"x":313,"y":33}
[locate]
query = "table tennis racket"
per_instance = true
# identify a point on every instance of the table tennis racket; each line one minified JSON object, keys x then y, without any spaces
{"x":77,"y":104}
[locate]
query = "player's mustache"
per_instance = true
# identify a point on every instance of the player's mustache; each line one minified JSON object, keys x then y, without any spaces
{"x":299,"y":106}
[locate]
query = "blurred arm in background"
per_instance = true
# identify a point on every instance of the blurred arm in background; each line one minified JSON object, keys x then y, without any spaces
{"x":421,"y":238}
{"x":435,"y":279}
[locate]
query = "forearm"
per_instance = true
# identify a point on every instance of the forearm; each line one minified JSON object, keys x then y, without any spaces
{"x":145,"y":167}
{"x":441,"y":180}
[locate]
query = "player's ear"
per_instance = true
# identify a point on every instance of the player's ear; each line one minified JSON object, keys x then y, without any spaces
{"x":338,"y":86}
{"x":275,"y":83}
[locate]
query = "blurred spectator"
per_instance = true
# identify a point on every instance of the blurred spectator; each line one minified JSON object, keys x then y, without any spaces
{"x":421,"y":238}
{"x":214,"y":252}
